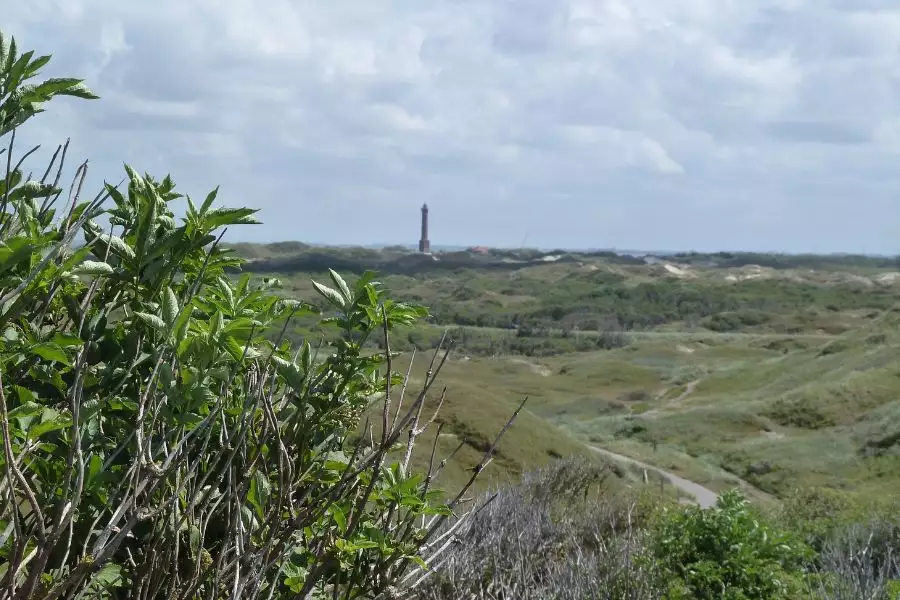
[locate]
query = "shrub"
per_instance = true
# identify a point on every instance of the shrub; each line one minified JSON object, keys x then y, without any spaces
{"x":860,"y":561}
{"x":160,"y":439}
{"x":798,"y":411}
{"x":737,"y":321}
{"x":725,"y":552}
{"x":817,"y":514}
{"x":558,"y":534}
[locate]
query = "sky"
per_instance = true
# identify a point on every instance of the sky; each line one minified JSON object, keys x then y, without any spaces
{"x":634,"y":124}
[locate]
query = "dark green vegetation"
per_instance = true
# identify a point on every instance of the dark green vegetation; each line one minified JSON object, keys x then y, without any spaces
{"x":542,"y":307}
{"x":788,"y":261}
{"x":171,"y":432}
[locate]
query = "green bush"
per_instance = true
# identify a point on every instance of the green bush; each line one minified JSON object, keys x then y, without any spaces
{"x":737,"y":321}
{"x":727,"y":552}
{"x":816,"y":514}
{"x":160,"y":439}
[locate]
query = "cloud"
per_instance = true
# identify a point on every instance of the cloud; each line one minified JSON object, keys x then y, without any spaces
{"x":705,"y":124}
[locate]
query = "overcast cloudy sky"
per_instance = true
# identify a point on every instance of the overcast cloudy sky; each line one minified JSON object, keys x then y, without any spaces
{"x":652,"y":124}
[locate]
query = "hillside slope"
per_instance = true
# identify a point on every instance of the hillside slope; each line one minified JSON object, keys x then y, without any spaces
{"x":780,"y":417}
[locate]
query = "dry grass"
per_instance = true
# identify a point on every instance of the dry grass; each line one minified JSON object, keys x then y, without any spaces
{"x":558,"y":534}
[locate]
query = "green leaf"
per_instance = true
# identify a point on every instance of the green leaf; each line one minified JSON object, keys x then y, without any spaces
{"x":4,"y":51}
{"x":169,"y":307}
{"x":146,"y":223}
{"x":32,"y":189}
{"x":240,"y":349}
{"x":63,"y":86}
{"x":51,"y":352}
{"x":339,"y":517}
{"x":241,"y":328}
{"x":15,"y":252}
{"x":330,"y":294}
{"x":91,"y":267}
{"x":243,"y":284}
{"x":79,"y":90}
{"x":151,"y":320}
{"x":27,"y":409}
{"x":51,"y":420}
{"x":115,"y":194}
{"x":11,"y":53}
{"x":210,"y":198}
{"x":290,"y":372}
{"x":258,"y":494}
{"x":35,"y":65}
{"x":14,"y":75}
{"x":94,"y":234}
{"x":182,"y":325}
{"x":221,"y":217}
{"x":109,"y":576}
{"x":65,"y":340}
{"x":216,"y":324}
{"x":342,"y":286}
{"x":95,"y":463}
{"x":225,"y":287}
{"x":75,"y":259}
{"x":418,"y":561}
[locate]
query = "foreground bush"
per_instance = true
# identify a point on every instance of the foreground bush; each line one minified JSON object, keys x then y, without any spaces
{"x":156,"y":443}
{"x":726,"y":552}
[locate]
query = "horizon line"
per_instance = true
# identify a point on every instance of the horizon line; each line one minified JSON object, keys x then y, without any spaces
{"x":620,"y":251}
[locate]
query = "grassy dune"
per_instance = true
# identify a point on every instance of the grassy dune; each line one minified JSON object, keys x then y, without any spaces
{"x":780,"y":377}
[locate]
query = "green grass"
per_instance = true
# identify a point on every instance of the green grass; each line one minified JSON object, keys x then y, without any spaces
{"x":779,"y":410}
{"x":778,"y":421}
{"x":473,"y":414}
{"x":805,"y":418}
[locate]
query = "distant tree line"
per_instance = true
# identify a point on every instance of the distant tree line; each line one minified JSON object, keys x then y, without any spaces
{"x":787,"y":261}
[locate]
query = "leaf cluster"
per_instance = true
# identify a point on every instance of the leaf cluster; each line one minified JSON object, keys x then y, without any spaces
{"x":21,"y":100}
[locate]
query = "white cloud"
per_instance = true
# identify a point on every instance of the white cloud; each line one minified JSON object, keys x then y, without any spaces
{"x":639,"y":123}
{"x":659,"y":158}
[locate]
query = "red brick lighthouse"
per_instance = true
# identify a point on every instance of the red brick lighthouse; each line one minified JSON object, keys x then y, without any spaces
{"x":424,"y":244}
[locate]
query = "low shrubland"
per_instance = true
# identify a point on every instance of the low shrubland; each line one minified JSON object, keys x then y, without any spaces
{"x":569,"y":297}
{"x":561,"y":534}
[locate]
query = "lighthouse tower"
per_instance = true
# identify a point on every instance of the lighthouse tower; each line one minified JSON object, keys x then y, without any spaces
{"x":424,"y":244}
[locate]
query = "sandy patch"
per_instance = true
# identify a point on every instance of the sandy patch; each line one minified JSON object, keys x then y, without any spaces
{"x":677,"y":271}
{"x":535,"y":368}
{"x":750,"y":272}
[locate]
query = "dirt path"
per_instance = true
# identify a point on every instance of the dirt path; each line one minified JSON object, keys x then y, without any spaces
{"x":705,"y":497}
{"x":688,"y":390}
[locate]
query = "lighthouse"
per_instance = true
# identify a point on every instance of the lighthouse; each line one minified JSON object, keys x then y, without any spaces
{"x":424,"y":244}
